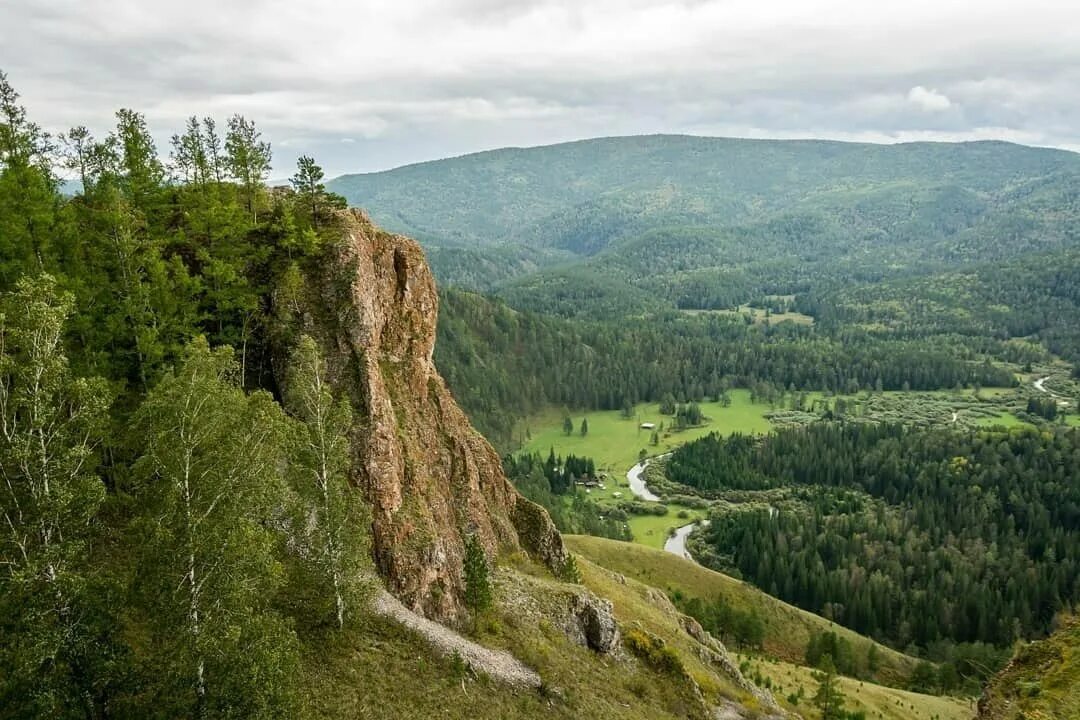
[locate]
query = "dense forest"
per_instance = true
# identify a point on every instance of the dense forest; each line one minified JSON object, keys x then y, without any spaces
{"x":504,"y":364}
{"x":172,"y":524}
{"x":910,"y":536}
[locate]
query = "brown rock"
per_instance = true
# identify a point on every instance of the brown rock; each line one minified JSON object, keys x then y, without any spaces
{"x":430,"y":478}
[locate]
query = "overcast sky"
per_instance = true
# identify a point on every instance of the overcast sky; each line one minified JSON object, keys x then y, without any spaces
{"x":367,"y":85}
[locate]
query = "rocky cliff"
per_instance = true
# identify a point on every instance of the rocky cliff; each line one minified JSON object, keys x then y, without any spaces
{"x":431,"y":480}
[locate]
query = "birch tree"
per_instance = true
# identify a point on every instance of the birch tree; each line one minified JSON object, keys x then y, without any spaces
{"x":212,"y":469}
{"x":333,"y":518}
{"x":50,"y":424}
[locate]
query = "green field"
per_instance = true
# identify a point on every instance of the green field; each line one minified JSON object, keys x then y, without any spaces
{"x":614,"y":441}
{"x":759,"y":316}
{"x":653,"y":530}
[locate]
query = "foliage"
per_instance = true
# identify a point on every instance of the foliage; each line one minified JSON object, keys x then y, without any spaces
{"x":332,"y":514}
{"x":209,"y":475}
{"x":478,"y":592}
{"x":50,"y":426}
{"x":911,"y":535}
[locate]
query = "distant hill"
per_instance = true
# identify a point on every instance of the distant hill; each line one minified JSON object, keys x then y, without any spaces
{"x":547,"y":195}
{"x":664,"y":220}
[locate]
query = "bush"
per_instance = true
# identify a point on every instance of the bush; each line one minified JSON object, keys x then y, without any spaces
{"x":653,"y":652}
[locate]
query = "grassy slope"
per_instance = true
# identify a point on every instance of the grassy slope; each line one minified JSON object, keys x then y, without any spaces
{"x":787,"y":628}
{"x":787,"y":631}
{"x":380,"y":670}
{"x":1041,"y":683}
{"x":876,"y":701}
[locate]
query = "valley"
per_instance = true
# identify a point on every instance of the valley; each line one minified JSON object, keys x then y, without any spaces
{"x":261,"y":459}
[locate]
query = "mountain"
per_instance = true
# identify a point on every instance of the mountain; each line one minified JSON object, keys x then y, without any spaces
{"x":582,"y":195}
{"x":635,"y":226}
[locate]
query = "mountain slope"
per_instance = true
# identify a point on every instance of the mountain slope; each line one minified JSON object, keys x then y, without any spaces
{"x":577,"y":195}
{"x":1041,"y":682}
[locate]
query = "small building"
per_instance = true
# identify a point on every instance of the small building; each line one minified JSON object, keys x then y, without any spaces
{"x":648,"y":426}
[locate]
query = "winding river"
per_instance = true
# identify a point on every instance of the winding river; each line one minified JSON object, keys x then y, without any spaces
{"x":676,"y":544}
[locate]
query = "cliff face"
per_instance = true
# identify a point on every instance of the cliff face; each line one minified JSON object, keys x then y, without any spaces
{"x":431,"y":480}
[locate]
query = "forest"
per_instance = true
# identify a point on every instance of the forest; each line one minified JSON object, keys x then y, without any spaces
{"x":914,"y":537}
{"x":172,"y":524}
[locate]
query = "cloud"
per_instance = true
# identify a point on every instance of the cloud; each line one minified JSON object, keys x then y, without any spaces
{"x":928,"y":100}
{"x":414,"y":80}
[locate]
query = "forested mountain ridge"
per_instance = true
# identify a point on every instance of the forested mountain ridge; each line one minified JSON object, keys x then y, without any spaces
{"x":621,"y":217}
{"x":518,"y":194}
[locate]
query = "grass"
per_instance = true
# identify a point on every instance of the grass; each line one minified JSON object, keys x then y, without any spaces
{"x":875,"y":701}
{"x":1043,"y":680}
{"x":759,"y":316}
{"x":377,"y":669}
{"x":614,"y":441}
{"x":787,"y":628}
{"x":653,"y":530}
{"x":1002,"y":418}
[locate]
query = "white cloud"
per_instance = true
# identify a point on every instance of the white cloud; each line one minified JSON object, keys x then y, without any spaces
{"x":928,"y":100}
{"x":415,"y":79}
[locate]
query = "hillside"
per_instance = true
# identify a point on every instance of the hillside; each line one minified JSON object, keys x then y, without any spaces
{"x":787,"y":628}
{"x":543,"y":195}
{"x":624,"y":216}
{"x":1042,"y":681}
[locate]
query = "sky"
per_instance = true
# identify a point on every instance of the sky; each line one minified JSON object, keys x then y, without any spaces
{"x":370,"y":84}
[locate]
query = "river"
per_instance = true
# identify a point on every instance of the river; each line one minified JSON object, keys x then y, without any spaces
{"x":637,"y":483}
{"x":676,"y":544}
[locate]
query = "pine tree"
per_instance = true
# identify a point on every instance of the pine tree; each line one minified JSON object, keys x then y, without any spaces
{"x":27,"y":190}
{"x":307,"y":181}
{"x":248,"y":159}
{"x":478,"y":592}
{"x":584,"y":427}
{"x":568,"y":426}
{"x":828,"y":698}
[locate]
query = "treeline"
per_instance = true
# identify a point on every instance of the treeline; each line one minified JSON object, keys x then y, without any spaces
{"x":910,"y":536}
{"x":172,"y":525}
{"x":503,"y":364}
{"x":1036,"y":296}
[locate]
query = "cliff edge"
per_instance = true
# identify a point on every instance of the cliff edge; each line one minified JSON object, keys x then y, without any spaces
{"x":430,"y":478}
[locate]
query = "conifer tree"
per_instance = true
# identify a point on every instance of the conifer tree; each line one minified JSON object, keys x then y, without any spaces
{"x":478,"y":592}
{"x":828,"y":698}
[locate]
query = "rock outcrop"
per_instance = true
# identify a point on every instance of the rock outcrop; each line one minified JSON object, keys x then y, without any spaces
{"x":591,"y":621}
{"x":431,"y":480}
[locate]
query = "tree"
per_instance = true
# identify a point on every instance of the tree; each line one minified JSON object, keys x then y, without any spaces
{"x":478,"y":593}
{"x":584,"y":427}
{"x":568,"y":426}
{"x":828,"y":698}
{"x":332,"y":514}
{"x":27,"y":189}
{"x":210,"y":480}
{"x":308,"y":184}
{"x":142,"y":172}
{"x":248,"y":159}
{"x":50,"y":424}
